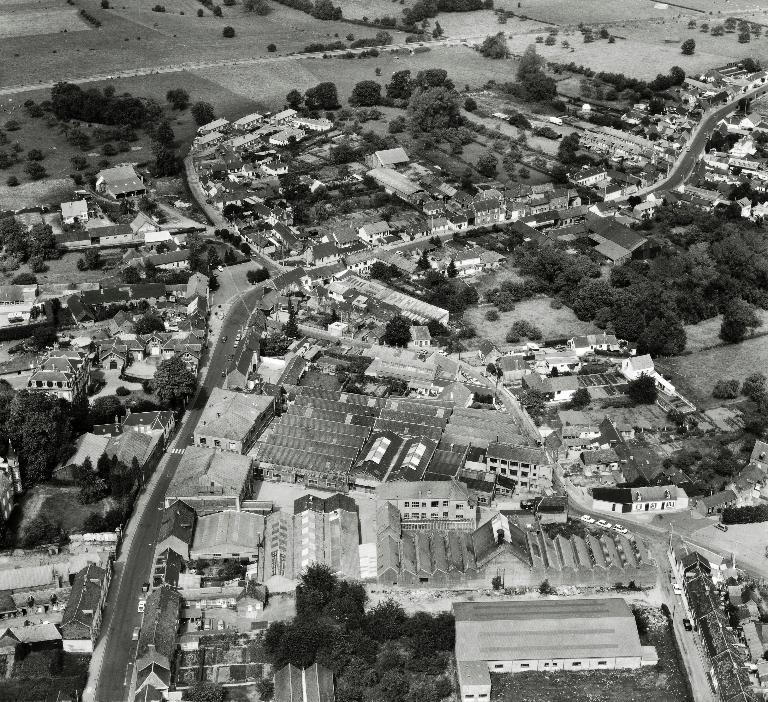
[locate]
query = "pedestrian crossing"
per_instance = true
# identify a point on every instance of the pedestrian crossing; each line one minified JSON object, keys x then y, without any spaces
{"x":177,"y":450}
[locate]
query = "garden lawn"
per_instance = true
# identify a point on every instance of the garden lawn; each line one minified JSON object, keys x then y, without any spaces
{"x":697,"y":373}
{"x":554,"y":324}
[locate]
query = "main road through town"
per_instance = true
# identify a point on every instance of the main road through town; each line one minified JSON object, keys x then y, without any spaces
{"x":113,"y":678}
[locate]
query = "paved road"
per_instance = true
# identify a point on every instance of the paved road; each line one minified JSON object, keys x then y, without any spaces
{"x":121,"y":614}
{"x":687,"y":160}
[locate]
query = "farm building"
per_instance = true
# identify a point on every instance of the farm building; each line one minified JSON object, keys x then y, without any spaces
{"x":388,"y":158}
{"x":543,"y":635}
{"x":395,"y":183}
{"x":120,"y":182}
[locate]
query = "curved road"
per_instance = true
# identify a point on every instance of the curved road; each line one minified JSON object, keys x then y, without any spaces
{"x":687,"y":160}
{"x":120,"y":614}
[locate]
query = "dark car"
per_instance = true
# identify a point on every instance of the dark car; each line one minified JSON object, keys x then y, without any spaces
{"x":687,"y":624}
{"x":722,"y":527}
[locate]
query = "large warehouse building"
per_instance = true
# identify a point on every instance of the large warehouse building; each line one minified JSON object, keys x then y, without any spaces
{"x":510,"y":637}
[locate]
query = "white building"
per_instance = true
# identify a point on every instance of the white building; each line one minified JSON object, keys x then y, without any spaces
{"x":75,"y":211}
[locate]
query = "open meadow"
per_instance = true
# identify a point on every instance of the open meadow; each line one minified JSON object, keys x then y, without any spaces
{"x":134,"y":37}
{"x":562,"y":12}
{"x":696,"y":373}
{"x":26,"y":19}
{"x":269,"y":83}
{"x":554,"y":324}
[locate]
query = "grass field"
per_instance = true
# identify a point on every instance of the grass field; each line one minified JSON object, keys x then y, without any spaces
{"x":31,"y":18}
{"x":553,"y":323}
{"x":269,"y":83}
{"x":697,"y":373}
{"x":132,"y":36}
{"x":707,"y":333}
{"x":588,"y":11}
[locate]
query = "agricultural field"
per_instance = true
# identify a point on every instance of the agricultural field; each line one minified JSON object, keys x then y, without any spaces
{"x":644,"y":49}
{"x":268,"y":83}
{"x":133,"y":37}
{"x":26,"y":19}
{"x":31,"y":194}
{"x":554,"y":324}
{"x":561,"y":12}
{"x":696,"y":373}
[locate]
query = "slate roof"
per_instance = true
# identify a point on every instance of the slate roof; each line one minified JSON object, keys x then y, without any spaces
{"x":83,"y":603}
{"x":231,"y":415}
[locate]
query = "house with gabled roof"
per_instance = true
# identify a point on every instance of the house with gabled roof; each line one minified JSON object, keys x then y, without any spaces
{"x":81,"y":621}
{"x":231,"y":421}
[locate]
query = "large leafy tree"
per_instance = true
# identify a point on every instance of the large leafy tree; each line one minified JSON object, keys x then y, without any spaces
{"x":38,"y":425}
{"x":398,"y":331}
{"x":173,"y":382}
{"x":323,"y":96}
{"x":434,"y":103}
{"x":739,"y":319}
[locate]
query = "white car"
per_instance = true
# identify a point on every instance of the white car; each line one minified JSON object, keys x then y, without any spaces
{"x":603,"y":523}
{"x":586,"y":518}
{"x":142,"y":604}
{"x":677,"y":588}
{"x":620,"y":529}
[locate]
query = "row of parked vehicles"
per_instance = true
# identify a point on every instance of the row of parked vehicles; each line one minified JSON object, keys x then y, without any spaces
{"x":603,"y":524}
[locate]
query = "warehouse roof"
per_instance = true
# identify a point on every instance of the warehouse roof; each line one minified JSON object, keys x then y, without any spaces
{"x":202,"y":469}
{"x":424,"y":489}
{"x":541,"y":629}
{"x":241,"y":530}
{"x":388,"y":178}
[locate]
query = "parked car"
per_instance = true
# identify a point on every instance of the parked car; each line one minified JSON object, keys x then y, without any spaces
{"x":586,"y":518}
{"x":603,"y":523}
{"x":687,"y":624}
{"x":677,"y":588}
{"x":135,"y":635}
{"x":620,"y":529}
{"x":722,"y":527}
{"x":142,"y":605}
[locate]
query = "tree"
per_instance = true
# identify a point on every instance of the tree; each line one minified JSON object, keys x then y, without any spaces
{"x":164,"y":134}
{"x":323,"y":96}
{"x":386,"y":621}
{"x":400,"y":87}
{"x":534,"y":84}
{"x":434,"y":103}
{"x":265,"y":689}
{"x":688,"y":47}
{"x":35,"y":170}
{"x":294,"y":99}
{"x":581,"y":399}
{"x":258,"y":7}
{"x":423,"y":263}
{"x":228,"y":32}
{"x":726,"y":389}
{"x":35,"y":155}
{"x":663,"y":336}
{"x":291,"y":326}
{"x":739,"y":320}
{"x":366,"y":93}
{"x":149,"y":323}
{"x":754,"y":387}
{"x":271,"y":48}
{"x":202,"y":113}
{"x":487,"y":165}
{"x":451,"y":271}
{"x":259,"y":275}
{"x":545,"y":588}
{"x":495,"y":47}
{"x":397,"y":331}
{"x":42,"y":242}
{"x":744,"y":37}
{"x":207,"y":692}
{"x":106,"y":410}
{"x":470,"y":104}
{"x":38,"y":426}
{"x":178,"y":97}
{"x":642,"y":390}
{"x":173,"y":382}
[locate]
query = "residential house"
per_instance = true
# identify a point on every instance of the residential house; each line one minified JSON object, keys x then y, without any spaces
{"x":664,"y":498}
{"x":420,"y":337}
{"x":16,"y":303}
{"x":559,"y":388}
{"x":159,"y":422}
{"x":81,"y":621}
{"x":715,"y":503}
{"x":75,"y":212}
{"x":64,"y":373}
{"x":513,"y":368}
{"x":587,"y":177}
{"x":209,"y":480}
{"x":232,"y":421}
{"x":581,"y":345}
{"x":529,"y":467}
